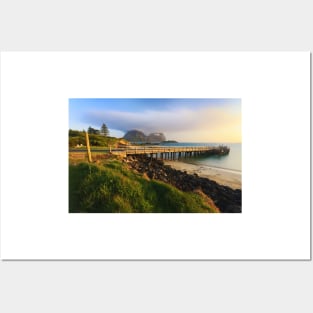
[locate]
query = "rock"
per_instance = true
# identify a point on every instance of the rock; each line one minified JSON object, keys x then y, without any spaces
{"x":225,"y":198}
{"x":233,"y":209}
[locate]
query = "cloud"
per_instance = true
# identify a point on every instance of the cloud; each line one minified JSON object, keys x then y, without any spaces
{"x":209,"y":121}
{"x":151,"y":120}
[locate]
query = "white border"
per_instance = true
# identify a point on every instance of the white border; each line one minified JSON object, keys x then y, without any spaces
{"x":275,"y":92}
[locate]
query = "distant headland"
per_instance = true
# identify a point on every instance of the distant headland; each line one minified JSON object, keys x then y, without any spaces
{"x":138,"y":137}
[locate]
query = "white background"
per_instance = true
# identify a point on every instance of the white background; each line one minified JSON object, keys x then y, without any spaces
{"x":275,"y":93}
{"x":241,"y":286}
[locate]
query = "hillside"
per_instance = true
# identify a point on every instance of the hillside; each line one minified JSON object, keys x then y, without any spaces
{"x":78,"y":139}
{"x":110,"y":187}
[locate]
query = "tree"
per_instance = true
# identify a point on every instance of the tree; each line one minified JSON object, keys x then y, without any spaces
{"x":74,"y":133}
{"x":93,"y":131}
{"x":104,"y":130}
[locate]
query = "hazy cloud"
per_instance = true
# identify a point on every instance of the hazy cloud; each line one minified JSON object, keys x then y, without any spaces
{"x":150,"y":120}
{"x":178,"y":122}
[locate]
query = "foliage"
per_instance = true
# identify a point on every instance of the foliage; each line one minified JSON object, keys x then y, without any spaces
{"x":74,"y":133}
{"x":93,"y":131}
{"x":77,"y":138}
{"x":104,"y":130}
{"x":111,"y":187}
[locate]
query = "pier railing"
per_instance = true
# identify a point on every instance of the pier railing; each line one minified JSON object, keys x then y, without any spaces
{"x":175,"y":152}
{"x":163,"y":152}
{"x":148,"y":150}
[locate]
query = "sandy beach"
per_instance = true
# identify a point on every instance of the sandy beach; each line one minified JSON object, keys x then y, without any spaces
{"x":224,"y":177}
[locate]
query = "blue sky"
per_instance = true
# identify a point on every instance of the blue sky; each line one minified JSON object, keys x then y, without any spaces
{"x":216,"y":120}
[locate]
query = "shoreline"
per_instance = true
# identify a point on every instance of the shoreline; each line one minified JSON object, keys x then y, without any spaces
{"x":221,"y":176}
{"x":226,"y":198}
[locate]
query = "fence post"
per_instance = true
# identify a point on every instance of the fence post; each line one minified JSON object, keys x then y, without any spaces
{"x":88,"y":148}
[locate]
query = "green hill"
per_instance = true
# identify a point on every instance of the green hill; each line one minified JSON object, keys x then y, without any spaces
{"x":110,"y":187}
{"x":78,"y":139}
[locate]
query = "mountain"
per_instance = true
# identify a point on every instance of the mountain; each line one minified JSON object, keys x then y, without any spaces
{"x":135,"y":135}
{"x":156,"y":138}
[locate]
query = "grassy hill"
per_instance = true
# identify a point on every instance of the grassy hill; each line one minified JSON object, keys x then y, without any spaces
{"x":77,"y":138}
{"x":110,"y":187}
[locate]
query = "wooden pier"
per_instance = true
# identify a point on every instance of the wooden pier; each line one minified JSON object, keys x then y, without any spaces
{"x":172,"y":153}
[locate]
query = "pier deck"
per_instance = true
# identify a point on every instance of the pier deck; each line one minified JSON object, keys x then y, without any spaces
{"x":172,"y":152}
{"x":158,"y":152}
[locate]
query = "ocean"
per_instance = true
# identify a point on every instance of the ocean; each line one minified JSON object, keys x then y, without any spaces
{"x":232,"y":161}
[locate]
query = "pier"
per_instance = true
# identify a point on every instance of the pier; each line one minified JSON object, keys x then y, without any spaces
{"x":155,"y":152}
{"x":171,"y":153}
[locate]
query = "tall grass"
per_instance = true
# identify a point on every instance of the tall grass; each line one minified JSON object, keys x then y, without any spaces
{"x":110,"y":187}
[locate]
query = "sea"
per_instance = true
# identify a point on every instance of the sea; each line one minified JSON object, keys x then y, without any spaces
{"x":231,"y":162}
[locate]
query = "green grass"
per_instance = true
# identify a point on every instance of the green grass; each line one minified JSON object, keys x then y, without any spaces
{"x":110,"y":187}
{"x":79,"y":137}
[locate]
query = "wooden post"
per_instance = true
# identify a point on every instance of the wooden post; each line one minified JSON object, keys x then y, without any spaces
{"x":88,"y":148}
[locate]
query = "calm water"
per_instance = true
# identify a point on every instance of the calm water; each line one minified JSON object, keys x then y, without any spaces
{"x":232,"y":161}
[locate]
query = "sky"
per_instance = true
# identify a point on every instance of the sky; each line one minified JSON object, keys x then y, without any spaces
{"x":183,"y":120}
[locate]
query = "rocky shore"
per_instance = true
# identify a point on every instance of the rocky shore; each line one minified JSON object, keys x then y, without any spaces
{"x":228,"y":200}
